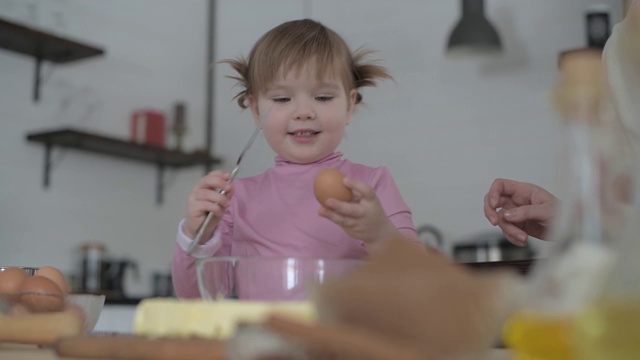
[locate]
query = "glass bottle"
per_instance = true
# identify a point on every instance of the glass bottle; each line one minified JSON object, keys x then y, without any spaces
{"x":588,"y":219}
{"x":92,"y":260}
{"x":609,"y":329}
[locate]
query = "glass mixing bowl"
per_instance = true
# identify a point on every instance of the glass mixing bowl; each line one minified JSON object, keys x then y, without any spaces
{"x":267,"y":278}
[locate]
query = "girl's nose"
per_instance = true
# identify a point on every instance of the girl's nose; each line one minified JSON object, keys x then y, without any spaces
{"x":304,"y":111}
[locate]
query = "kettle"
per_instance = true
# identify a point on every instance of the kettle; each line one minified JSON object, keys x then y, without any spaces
{"x":114,"y":274}
{"x":488,"y":247}
{"x":431,"y":236}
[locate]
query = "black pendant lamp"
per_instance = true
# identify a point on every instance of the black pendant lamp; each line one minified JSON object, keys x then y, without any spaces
{"x":473,"y":34}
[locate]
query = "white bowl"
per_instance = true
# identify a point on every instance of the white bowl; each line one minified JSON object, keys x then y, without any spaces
{"x":91,"y":305}
{"x":28,"y":269}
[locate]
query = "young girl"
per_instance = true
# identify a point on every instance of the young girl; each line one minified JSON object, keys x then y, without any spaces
{"x":306,"y":75}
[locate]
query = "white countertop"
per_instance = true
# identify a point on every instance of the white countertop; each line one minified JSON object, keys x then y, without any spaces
{"x":116,"y":318}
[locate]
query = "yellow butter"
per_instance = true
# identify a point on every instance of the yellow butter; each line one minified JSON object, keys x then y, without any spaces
{"x":170,"y":317}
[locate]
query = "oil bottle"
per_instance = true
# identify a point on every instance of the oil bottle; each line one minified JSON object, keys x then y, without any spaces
{"x":609,"y":329}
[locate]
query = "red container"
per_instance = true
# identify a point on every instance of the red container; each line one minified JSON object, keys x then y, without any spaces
{"x":148,"y":127}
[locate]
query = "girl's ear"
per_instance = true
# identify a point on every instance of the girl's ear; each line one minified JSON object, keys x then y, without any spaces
{"x":353,"y":96}
{"x":252,"y":103}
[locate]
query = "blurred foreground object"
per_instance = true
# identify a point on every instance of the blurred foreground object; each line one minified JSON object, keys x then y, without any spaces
{"x":40,"y":328}
{"x":418,"y":304}
{"x":580,"y":254}
{"x":608,"y":327}
{"x":596,"y":169}
{"x":622,"y":65}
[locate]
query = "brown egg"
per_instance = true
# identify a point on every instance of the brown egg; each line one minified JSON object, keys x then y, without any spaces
{"x":56,"y":276}
{"x":39,"y":294}
{"x":10,"y":282}
{"x":328,"y":184}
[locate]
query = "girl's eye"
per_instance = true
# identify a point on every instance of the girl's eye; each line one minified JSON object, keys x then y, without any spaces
{"x":324,"y":98}
{"x":281,"y":99}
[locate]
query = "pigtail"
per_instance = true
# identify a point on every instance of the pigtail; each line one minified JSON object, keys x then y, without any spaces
{"x":240,"y":66}
{"x":365,"y":73}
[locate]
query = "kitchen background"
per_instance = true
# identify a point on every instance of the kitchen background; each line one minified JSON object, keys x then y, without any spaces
{"x":445,"y":128}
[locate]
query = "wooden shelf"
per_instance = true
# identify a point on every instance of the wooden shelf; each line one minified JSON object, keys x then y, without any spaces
{"x":84,"y":141}
{"x":43,"y":46}
{"x":81,"y":140}
{"x":37,"y":43}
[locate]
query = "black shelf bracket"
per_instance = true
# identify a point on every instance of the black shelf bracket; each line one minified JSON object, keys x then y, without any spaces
{"x":160,"y":185}
{"x":37,"y":79}
{"x":46,"y":174}
{"x":46,"y":180}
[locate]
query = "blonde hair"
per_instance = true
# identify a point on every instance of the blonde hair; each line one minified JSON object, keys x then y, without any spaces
{"x":294,"y":44}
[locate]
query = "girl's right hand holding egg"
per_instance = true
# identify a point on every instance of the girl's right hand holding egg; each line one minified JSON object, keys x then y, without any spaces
{"x":204,"y":198}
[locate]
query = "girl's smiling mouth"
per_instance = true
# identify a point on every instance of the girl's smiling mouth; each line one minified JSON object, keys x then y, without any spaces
{"x":303,"y":133}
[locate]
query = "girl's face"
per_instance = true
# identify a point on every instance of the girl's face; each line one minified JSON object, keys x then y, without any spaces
{"x":309,"y":116}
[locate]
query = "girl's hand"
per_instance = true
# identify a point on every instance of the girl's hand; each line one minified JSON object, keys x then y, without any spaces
{"x":363,"y":218}
{"x":204,"y":198}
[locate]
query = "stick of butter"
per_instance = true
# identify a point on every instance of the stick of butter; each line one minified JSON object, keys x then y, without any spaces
{"x":182,"y":318}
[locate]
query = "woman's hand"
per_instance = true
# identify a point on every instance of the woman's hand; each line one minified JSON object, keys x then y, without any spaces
{"x":519,"y":209}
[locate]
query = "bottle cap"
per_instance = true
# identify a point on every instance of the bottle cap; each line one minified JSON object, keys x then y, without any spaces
{"x":581,"y":87}
{"x":93,"y":245}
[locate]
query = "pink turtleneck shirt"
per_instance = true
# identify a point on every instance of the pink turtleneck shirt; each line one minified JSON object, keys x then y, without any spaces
{"x":276,"y":214}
